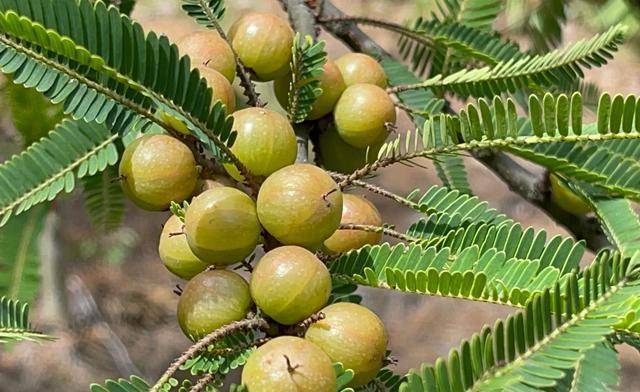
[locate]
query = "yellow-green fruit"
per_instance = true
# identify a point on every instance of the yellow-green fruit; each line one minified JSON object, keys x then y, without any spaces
{"x":156,"y":170}
{"x":353,"y":335}
{"x":360,"y":211}
{"x":300,"y":205}
{"x":221,"y":226}
{"x":175,"y":252}
{"x":338,"y":155}
{"x":360,"y":68}
{"x":265,"y":142}
{"x":289,"y":364}
{"x":290,"y":284}
{"x":212,"y":299}
{"x":332,"y":86}
{"x":566,"y":199}
{"x":361,"y":113}
{"x":209,"y":49}
{"x":222,"y":90}
{"x":263,"y":42}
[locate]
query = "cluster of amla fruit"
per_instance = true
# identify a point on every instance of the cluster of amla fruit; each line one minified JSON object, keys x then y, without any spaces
{"x":298,"y":205}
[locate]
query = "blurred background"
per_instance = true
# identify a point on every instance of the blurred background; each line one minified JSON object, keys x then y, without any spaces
{"x":109,"y":300}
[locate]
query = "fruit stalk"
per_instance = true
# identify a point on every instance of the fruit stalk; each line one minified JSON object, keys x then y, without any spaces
{"x":242,"y":325}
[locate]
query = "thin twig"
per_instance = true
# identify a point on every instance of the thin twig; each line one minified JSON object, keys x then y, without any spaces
{"x":380,"y":229}
{"x":203,"y":382}
{"x":202,"y":344}
{"x":377,"y":190}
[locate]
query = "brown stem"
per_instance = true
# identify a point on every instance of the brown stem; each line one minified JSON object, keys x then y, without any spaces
{"x":377,"y":190}
{"x":203,"y":382}
{"x":380,"y":229}
{"x":202,"y":344}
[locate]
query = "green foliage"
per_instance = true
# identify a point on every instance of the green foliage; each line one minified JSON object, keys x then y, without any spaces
{"x":106,"y":80}
{"x":20,"y":255}
{"x":597,"y":371}
{"x":134,"y":384}
{"x":474,"y":13}
{"x":104,"y":199}
{"x":307,"y":62}
{"x":385,"y":380}
{"x":502,"y":264}
{"x":31,"y":114}
{"x":206,"y":12}
{"x":561,"y":66}
{"x":454,"y":42}
{"x":52,"y":165}
{"x":224,"y":356}
{"x":620,"y":222}
{"x":14,"y":323}
{"x":533,"y":347}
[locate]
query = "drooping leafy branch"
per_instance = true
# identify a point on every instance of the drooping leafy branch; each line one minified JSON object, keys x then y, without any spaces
{"x":308,"y":59}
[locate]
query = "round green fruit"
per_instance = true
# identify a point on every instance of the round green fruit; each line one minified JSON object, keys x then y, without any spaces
{"x":361,"y":114}
{"x":360,"y":68}
{"x":337,"y":155}
{"x":300,"y":205}
{"x":566,"y":199}
{"x":263,"y":42}
{"x":289,"y":364}
{"x":175,"y":252}
{"x":221,"y":226}
{"x":332,"y":86}
{"x":210,"y":300}
{"x":353,"y":335}
{"x":207,"y":48}
{"x":222,"y":90}
{"x":265,"y":142}
{"x":156,"y":170}
{"x":360,"y":211}
{"x":289,"y":284}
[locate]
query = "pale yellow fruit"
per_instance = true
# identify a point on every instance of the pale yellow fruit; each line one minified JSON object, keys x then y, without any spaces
{"x":210,"y":300}
{"x":265,"y":142}
{"x":361,"y":68}
{"x":290,"y":283}
{"x":361,"y":113}
{"x":566,"y":199}
{"x":289,"y":364}
{"x":222,"y":90}
{"x":221,"y":226}
{"x":300,"y":205}
{"x":156,"y":170}
{"x":175,"y":252}
{"x":353,"y":335}
{"x":207,"y":48}
{"x":263,"y":42}
{"x":360,"y":211}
